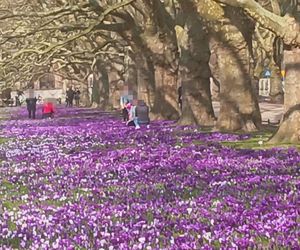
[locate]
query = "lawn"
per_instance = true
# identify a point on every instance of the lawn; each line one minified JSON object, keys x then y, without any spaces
{"x":86,"y":181}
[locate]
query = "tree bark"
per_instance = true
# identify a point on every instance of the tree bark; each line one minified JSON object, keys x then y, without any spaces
{"x":195,"y":73}
{"x":103,"y":89}
{"x":154,"y":58}
{"x":276,"y":93}
{"x":84,"y":98}
{"x":96,"y":90}
{"x":165,"y":102}
{"x":145,"y":79}
{"x":239,"y":108}
{"x":289,"y":130}
{"x":232,"y":31}
{"x":157,"y":75}
{"x":100,"y":91}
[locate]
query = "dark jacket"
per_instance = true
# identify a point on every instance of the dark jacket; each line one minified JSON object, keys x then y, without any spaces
{"x":142,"y":113}
{"x":70,"y":94}
{"x":31,"y":103}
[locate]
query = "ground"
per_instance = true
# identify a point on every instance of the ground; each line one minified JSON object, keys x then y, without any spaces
{"x":269,"y":111}
{"x":86,"y":181}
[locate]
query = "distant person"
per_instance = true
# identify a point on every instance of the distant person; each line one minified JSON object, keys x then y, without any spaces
{"x":48,"y":110}
{"x":77,"y":97}
{"x":17,"y":101}
{"x":126,"y":97}
{"x":31,"y":107}
{"x":125,"y":111}
{"x":40,"y":99}
{"x":180,"y":97}
{"x":133,"y":119}
{"x":18,"y":98}
{"x":21,"y":99}
{"x":142,"y":112}
{"x":31,"y":104}
{"x":70,"y":97}
{"x":67,"y":101}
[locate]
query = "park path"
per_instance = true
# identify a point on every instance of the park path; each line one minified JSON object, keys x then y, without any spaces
{"x":269,"y":111}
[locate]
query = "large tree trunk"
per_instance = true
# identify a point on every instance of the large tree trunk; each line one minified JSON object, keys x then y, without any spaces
{"x":100,"y":91}
{"x":115,"y":85}
{"x":289,"y":130}
{"x":165,"y":102}
{"x":156,"y":82}
{"x":239,"y":108}
{"x":276,"y":93}
{"x":157,"y":79}
{"x":103,"y":89}
{"x":194,"y":73}
{"x":145,"y":79}
{"x":96,"y":89}
{"x":85,"y":98}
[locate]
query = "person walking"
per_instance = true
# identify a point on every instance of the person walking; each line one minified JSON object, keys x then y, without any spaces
{"x":180,"y":97}
{"x":70,"y":97}
{"x":77,"y":97}
{"x":31,"y":104}
{"x":31,"y":107}
{"x":17,"y":101}
{"x":67,"y":101}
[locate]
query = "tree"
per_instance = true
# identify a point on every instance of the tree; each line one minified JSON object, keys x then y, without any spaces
{"x":60,"y":37}
{"x":288,"y":28}
{"x":194,"y":68}
{"x":231,"y":31}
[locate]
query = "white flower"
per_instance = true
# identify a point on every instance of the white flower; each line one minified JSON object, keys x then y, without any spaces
{"x":189,"y":210}
{"x":102,"y":242}
{"x":142,"y":240}
{"x":207,"y":236}
{"x":172,"y":241}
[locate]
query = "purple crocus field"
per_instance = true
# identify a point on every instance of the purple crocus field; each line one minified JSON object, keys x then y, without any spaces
{"x":86,"y":181}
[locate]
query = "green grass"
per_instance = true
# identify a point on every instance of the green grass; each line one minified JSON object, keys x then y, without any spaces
{"x":259,"y":140}
{"x":3,"y":140}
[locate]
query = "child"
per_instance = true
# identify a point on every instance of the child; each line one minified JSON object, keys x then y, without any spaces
{"x":133,"y":119}
{"x":48,"y":110}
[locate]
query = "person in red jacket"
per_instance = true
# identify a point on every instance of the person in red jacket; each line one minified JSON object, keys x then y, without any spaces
{"x":48,"y":110}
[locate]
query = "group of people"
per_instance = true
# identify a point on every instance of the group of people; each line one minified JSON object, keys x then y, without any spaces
{"x":134,"y":112}
{"x":47,"y":109}
{"x":72,"y":95}
{"x":48,"y":106}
